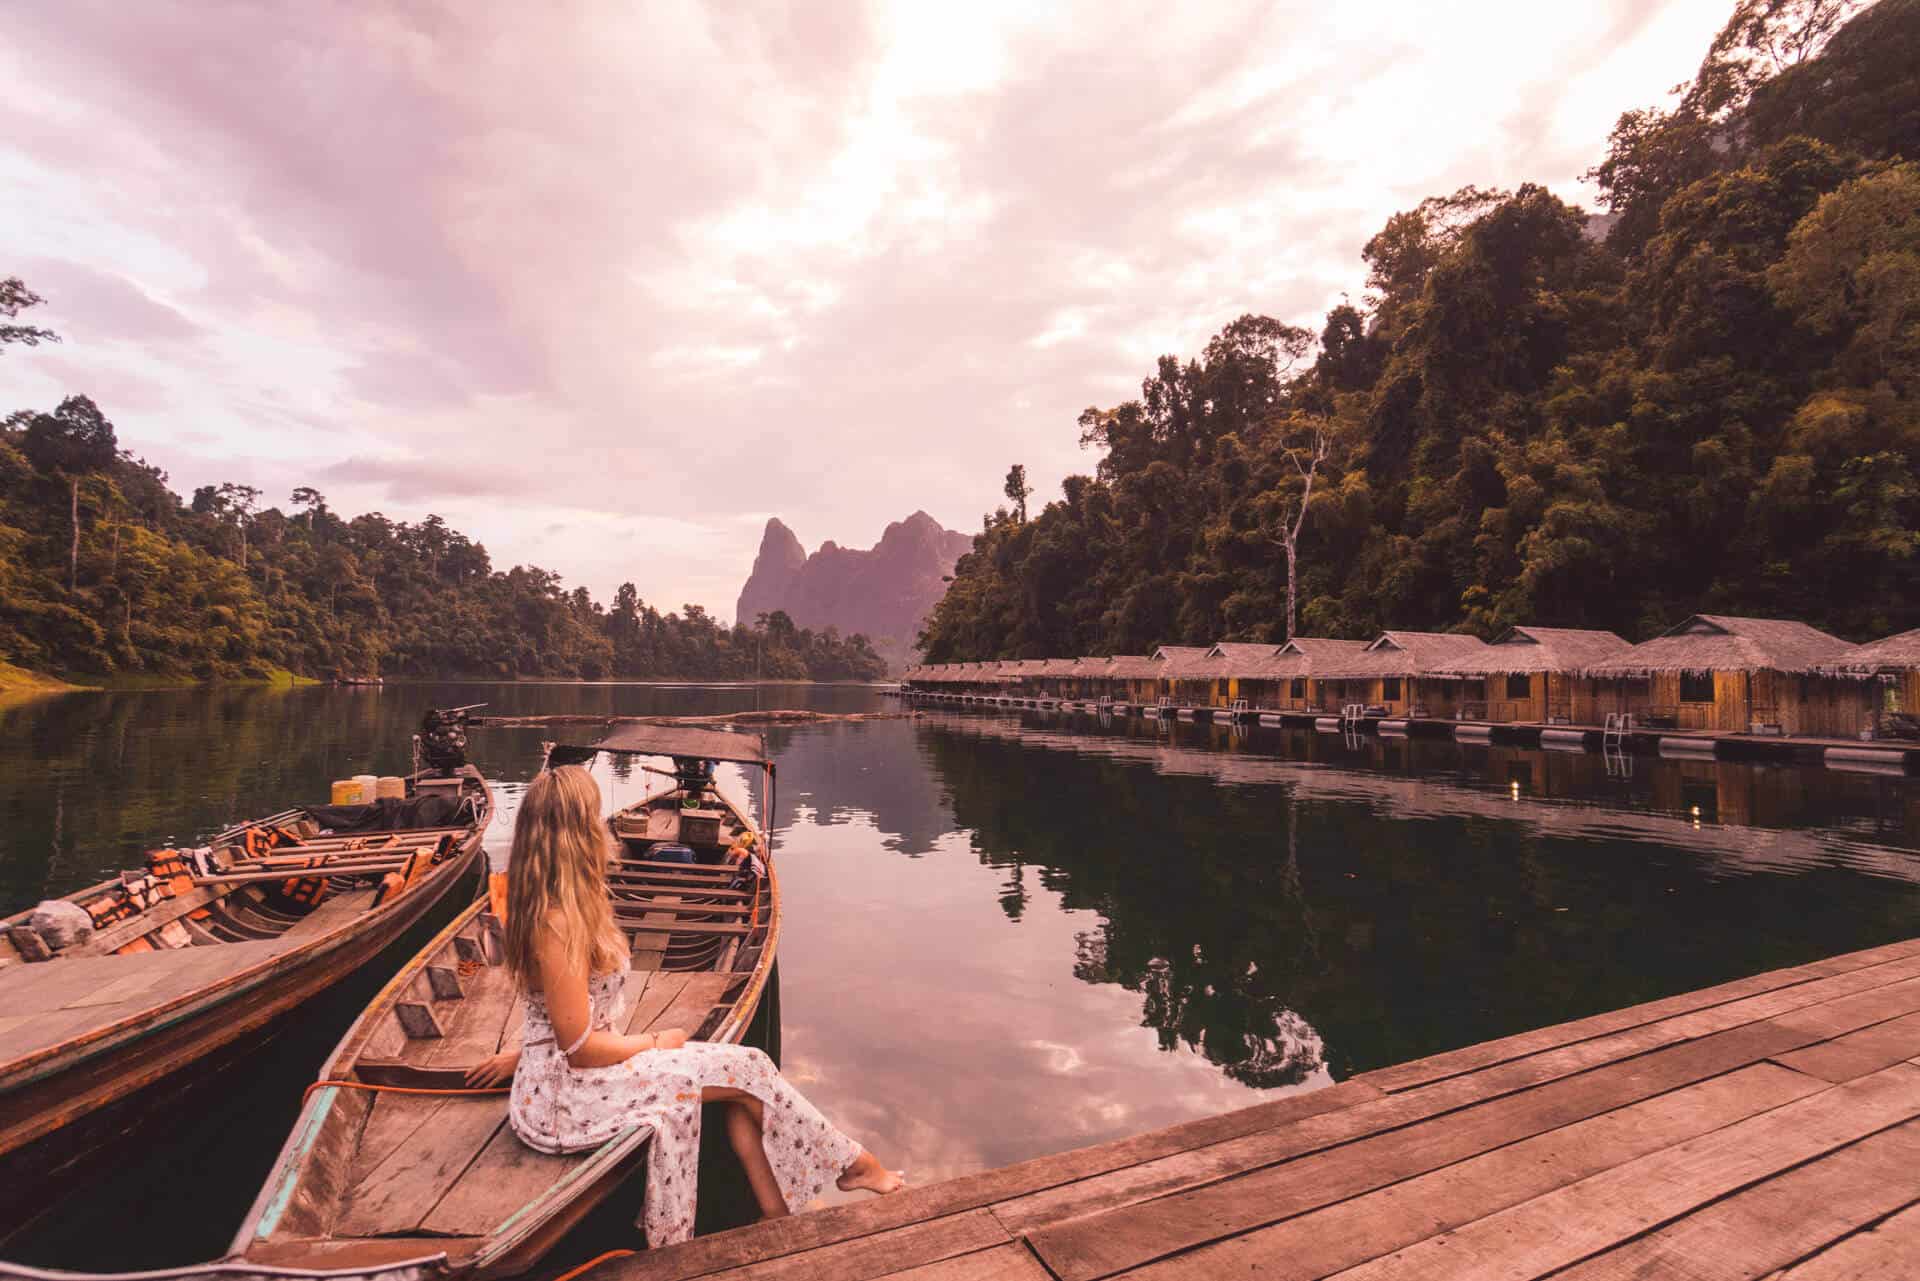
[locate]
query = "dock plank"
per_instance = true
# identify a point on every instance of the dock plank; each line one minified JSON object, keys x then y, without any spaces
{"x":1858,"y":1053}
{"x":1884,"y":1252}
{"x":1774,"y":1223}
{"x":870,"y":1257}
{"x":801,"y":1232}
{"x":1324,"y":1241}
{"x":1104,"y":1239}
{"x":1768,"y":1125}
{"x":1488,"y":1053}
{"x":1013,"y":1262}
{"x":1607,"y":1209}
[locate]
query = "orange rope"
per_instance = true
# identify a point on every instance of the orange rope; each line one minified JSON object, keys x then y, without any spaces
{"x":397,"y":1089}
{"x":593,"y":1263}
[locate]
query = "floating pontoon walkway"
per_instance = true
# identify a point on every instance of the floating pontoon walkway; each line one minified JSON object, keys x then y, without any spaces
{"x":1891,"y":756}
{"x":1768,"y":1127}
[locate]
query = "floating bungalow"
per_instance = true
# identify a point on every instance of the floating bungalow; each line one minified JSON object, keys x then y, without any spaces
{"x":1179,"y":681}
{"x":1130,"y":678}
{"x":1217,"y":674}
{"x":1288,"y":681}
{"x":1736,"y":675}
{"x":1531,"y":675}
{"x":1401,"y":674}
{"x":1889,"y":672}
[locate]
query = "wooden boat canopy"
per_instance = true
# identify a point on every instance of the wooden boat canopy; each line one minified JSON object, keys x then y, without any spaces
{"x":669,"y":740}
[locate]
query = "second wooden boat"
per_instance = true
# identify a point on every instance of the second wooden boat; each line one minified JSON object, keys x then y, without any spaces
{"x":198,"y":950}
{"x":395,"y":1171}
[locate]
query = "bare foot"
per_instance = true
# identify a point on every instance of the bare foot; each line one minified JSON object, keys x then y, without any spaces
{"x":866,"y":1174}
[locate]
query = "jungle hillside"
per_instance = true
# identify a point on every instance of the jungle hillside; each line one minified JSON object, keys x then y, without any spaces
{"x":106,"y":571}
{"x":1699,"y":397}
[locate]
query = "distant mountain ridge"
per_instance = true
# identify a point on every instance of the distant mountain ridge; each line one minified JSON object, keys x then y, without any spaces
{"x":885,"y":591}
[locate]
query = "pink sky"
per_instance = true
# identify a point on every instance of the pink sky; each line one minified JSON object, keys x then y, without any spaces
{"x":606,"y":285}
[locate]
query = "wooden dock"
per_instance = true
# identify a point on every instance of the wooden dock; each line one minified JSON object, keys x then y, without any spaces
{"x":1765,"y":1128}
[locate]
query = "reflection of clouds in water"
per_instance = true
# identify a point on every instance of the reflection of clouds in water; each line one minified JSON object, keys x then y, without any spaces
{"x":1056,"y":1059}
{"x":947,"y":1037}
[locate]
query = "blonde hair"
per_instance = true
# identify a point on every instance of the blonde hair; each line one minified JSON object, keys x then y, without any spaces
{"x":557,"y":876}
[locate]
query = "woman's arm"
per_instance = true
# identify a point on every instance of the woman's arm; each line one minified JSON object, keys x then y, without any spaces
{"x":570,"y":1009}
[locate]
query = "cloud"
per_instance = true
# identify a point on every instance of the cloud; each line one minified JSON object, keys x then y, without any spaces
{"x":695,"y":262}
{"x":420,"y":480}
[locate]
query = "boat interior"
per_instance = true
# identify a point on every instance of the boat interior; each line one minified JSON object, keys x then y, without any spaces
{"x":395,"y":1176}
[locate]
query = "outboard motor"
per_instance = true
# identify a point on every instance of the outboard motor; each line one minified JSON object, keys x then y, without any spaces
{"x":695,"y":775}
{"x":443,"y":738}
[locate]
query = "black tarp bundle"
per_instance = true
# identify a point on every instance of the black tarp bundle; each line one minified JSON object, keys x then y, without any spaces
{"x":392,"y":814}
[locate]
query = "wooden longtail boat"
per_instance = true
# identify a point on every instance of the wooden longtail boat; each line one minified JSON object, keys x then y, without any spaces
{"x":198,"y":950}
{"x":396,"y":1185}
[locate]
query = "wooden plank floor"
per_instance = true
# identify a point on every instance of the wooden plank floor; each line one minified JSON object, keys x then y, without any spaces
{"x":1765,"y":1128}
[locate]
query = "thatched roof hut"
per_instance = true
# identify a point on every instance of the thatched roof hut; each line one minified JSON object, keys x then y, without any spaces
{"x":1179,"y":660}
{"x":1900,"y":653}
{"x":1540,"y":649}
{"x":1131,"y":667}
{"x":1239,"y":659}
{"x":1725,"y":643}
{"x":1308,"y":656}
{"x":1406,"y":654}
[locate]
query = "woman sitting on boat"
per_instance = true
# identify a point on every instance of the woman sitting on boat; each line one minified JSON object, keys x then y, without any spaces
{"x":577,"y":1083}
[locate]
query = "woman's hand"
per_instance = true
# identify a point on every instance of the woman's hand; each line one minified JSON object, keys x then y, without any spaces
{"x":670,"y":1038}
{"x":493,"y":1071}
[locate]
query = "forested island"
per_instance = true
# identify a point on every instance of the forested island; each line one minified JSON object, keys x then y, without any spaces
{"x":104,"y":570}
{"x":1702,"y":399}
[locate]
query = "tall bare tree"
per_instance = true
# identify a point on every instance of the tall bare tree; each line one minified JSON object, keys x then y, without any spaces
{"x":1307,"y":440}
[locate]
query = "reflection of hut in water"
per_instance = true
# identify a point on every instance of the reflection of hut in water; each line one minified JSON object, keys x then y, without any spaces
{"x":1286,"y":682}
{"x":1400,"y":672}
{"x":1888,"y":673}
{"x":1531,"y":674}
{"x":1719,"y":672}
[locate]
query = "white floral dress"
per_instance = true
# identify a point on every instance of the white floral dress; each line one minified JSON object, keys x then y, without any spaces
{"x":556,"y":1107}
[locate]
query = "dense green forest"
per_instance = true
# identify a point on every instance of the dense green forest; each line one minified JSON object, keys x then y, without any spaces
{"x":105,"y":570}
{"x":1704,"y":399}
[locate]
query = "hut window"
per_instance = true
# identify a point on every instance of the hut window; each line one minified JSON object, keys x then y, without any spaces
{"x":1519,"y":685}
{"x":1476,"y":691}
{"x":1299,"y":687}
{"x":1390,"y":689}
{"x":1696,"y":687}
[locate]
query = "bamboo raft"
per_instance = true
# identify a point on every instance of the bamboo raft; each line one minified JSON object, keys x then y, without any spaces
{"x":1764,"y":1128}
{"x":189,"y":955}
{"x":395,"y":1171}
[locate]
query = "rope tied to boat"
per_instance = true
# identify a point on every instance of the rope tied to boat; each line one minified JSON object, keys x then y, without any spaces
{"x":594,"y":1262}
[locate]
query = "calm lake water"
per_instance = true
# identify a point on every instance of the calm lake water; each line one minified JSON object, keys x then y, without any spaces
{"x":1010,"y":935}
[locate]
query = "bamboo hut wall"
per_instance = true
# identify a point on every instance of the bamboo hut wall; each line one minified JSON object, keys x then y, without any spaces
{"x":1822,"y":705}
{"x":1506,"y":705}
{"x":1435,"y":698}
